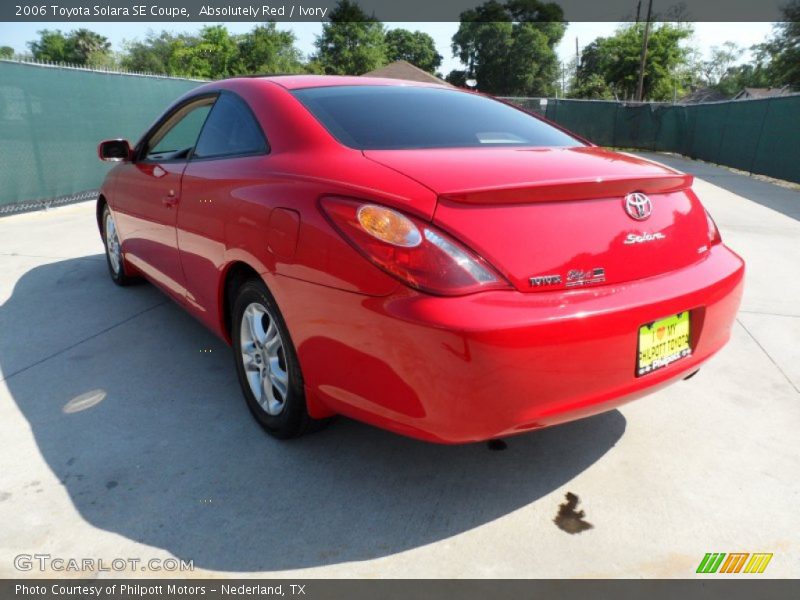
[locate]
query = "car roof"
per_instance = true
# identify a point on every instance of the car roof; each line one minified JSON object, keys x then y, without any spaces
{"x":297,"y":82}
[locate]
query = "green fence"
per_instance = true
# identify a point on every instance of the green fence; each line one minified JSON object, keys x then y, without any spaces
{"x":759,"y":136}
{"x":51,"y":119}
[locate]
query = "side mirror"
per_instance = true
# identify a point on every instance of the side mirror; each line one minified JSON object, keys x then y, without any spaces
{"x":114,"y":150}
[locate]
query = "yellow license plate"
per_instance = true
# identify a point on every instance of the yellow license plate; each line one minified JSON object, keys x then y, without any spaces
{"x":662,"y":343}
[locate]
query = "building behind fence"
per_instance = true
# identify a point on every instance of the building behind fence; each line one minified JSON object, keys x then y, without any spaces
{"x":51,"y":119}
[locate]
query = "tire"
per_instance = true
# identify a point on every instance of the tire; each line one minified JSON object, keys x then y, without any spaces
{"x":114,"y":258}
{"x":266,"y":364}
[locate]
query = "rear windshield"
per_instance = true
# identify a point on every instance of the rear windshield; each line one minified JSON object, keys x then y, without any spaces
{"x":397,"y":118}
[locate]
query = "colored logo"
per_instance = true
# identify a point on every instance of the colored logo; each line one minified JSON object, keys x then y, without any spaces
{"x":735,"y":562}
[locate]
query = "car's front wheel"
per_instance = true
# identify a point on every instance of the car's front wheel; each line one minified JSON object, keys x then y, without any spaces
{"x":114,"y":257}
{"x":267,"y":365}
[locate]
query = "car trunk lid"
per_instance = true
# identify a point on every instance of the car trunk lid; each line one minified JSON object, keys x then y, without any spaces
{"x":556,"y":218}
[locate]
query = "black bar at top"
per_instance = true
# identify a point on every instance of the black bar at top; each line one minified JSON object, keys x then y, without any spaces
{"x":385,"y":10}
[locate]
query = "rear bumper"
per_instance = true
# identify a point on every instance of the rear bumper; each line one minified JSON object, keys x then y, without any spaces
{"x":497,"y":363}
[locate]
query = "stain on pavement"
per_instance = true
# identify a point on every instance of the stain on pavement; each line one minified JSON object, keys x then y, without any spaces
{"x":570,"y":520}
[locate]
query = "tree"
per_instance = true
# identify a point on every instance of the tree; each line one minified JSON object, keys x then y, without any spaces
{"x":533,"y":64}
{"x":591,"y":87}
{"x":154,"y":54}
{"x":214,"y":54}
{"x":722,"y":59}
{"x":741,"y":76}
{"x":592,"y":69}
{"x":87,"y":45}
{"x":615,"y":61}
{"x":52,"y":46}
{"x":352,"y":43}
{"x":782,"y":51}
{"x":457,"y":77}
{"x":586,"y":81}
{"x":692,"y":70}
{"x":266,"y":49}
{"x":510,"y":48}
{"x":80,"y":47}
{"x":6,"y":52}
{"x":416,"y":47}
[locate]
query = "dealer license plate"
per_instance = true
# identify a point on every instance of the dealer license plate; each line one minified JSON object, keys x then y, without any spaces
{"x":662,"y":343}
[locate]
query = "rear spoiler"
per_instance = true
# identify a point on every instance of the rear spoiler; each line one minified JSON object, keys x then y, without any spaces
{"x":580,"y":189}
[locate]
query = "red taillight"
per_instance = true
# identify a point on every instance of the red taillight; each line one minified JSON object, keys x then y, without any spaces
{"x":713,"y":232}
{"x":415,"y":252}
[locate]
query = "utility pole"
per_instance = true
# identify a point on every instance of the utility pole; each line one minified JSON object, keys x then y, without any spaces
{"x":638,"y":10}
{"x":577,"y":54}
{"x":640,"y":89}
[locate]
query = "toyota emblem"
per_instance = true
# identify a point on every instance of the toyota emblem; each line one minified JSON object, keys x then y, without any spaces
{"x":638,"y":206}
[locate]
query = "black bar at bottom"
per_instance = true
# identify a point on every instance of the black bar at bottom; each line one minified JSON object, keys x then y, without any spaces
{"x":710,"y":587}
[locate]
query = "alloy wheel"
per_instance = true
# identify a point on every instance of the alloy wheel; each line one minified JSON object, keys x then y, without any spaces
{"x":112,"y":244}
{"x":264,"y":358}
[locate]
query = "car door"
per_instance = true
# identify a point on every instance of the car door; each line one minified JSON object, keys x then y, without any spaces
{"x":225,"y":172}
{"x":148,"y":192}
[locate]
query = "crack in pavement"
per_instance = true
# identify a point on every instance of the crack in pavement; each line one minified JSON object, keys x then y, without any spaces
{"x":764,"y":350}
{"x":768,"y":314}
{"x":86,"y":339}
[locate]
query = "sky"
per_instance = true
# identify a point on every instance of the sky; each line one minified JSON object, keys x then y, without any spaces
{"x":706,"y":35}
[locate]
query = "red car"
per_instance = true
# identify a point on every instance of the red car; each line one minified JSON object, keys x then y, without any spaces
{"x":424,"y":259}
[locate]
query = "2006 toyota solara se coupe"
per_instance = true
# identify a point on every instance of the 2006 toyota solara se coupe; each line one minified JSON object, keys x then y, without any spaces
{"x":424,"y":259}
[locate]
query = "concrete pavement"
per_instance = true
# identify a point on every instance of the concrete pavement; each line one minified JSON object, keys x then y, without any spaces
{"x":124,"y":435}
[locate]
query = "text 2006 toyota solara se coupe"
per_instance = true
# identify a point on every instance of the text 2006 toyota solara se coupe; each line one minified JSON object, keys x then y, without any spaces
{"x":424,"y":259}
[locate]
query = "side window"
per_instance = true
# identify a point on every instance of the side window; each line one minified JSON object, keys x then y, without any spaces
{"x":176,"y":138}
{"x":230,"y":129}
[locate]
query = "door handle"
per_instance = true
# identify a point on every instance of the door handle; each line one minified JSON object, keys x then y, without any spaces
{"x":170,"y":199}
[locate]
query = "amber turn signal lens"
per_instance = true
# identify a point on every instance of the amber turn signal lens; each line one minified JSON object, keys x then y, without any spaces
{"x":415,"y":252}
{"x":389,"y":226}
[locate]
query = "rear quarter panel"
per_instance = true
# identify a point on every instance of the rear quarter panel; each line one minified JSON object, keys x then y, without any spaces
{"x":226,"y":209}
